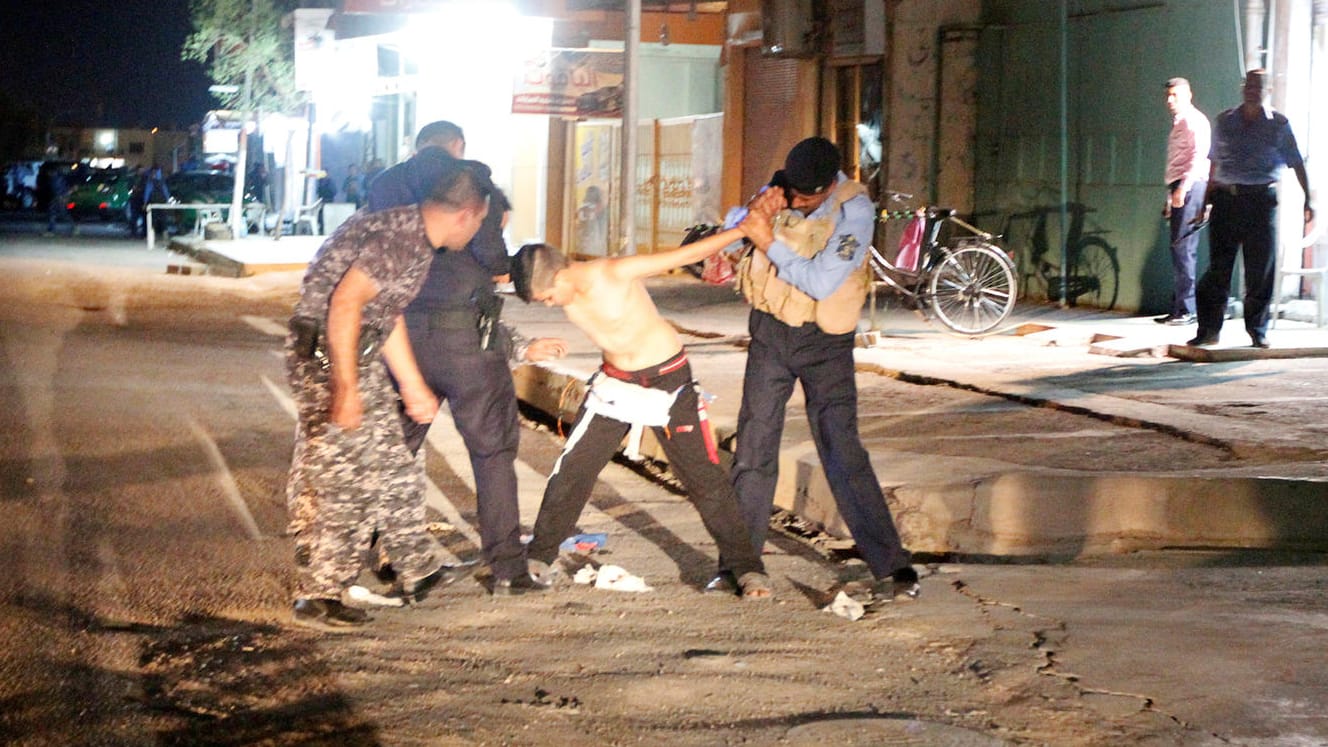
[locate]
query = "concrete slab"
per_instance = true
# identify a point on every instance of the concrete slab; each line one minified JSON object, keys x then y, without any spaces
{"x":249,"y":256}
{"x":1224,"y":354}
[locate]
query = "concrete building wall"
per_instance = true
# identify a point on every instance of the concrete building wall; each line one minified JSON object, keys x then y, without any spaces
{"x":1113,"y":136}
{"x":931,"y":161}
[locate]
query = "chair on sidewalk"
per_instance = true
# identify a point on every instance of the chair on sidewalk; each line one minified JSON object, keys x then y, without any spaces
{"x":1318,"y":276}
{"x":205,"y":216}
{"x":307,"y":216}
{"x":256,"y":218}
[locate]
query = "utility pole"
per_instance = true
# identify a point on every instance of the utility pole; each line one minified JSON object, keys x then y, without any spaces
{"x":241,"y":169}
{"x":627,"y":175}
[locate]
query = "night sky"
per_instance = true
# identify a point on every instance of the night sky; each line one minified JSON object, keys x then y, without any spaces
{"x":102,"y":62}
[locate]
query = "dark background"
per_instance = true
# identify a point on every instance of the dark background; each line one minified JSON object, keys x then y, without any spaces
{"x":112,"y":63}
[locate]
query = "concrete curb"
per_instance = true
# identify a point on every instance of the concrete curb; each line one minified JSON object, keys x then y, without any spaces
{"x":1041,"y":513}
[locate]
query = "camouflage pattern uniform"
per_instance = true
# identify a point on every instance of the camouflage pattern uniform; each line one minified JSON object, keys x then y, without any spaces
{"x":344,"y":484}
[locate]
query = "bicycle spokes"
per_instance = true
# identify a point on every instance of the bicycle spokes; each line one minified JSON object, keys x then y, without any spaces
{"x":972,"y":289}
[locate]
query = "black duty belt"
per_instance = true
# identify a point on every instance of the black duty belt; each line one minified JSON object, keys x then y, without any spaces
{"x":310,"y":341}
{"x":450,"y":319}
{"x":1246,"y":189}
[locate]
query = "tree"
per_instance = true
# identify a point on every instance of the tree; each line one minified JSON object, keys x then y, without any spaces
{"x":250,"y":57}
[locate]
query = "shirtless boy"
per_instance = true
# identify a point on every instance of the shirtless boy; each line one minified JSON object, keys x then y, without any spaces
{"x":645,"y":379}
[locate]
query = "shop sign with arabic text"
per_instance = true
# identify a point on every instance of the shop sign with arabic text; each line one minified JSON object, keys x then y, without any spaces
{"x":570,"y":83}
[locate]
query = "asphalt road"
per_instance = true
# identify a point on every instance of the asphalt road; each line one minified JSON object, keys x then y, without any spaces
{"x":146,"y":441}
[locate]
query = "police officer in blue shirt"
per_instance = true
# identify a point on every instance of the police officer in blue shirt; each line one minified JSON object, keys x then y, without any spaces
{"x":454,"y":331}
{"x":1251,"y":145}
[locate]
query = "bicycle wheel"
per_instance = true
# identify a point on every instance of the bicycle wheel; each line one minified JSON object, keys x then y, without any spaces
{"x":1094,"y":275}
{"x":972,"y":289}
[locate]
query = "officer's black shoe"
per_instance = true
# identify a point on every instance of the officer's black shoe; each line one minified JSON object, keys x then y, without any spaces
{"x":722,"y":583}
{"x":1258,"y":341}
{"x":446,"y":575}
{"x":1203,"y":339}
{"x":902,"y":585}
{"x":329,"y":615}
{"x":521,"y":584}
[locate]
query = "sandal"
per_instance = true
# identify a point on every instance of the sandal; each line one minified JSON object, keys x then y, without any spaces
{"x":755,"y":585}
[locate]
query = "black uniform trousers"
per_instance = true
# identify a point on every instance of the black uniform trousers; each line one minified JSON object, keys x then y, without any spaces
{"x":692,"y":455}
{"x":780,"y":355}
{"x":477,"y":385}
{"x":1242,"y":220}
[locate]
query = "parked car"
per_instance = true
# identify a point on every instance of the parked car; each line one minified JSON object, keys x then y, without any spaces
{"x":200,"y":187}
{"x":20,"y":181}
{"x":104,"y":195}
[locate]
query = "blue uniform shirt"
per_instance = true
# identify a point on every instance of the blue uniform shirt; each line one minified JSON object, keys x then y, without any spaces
{"x":1252,"y":152}
{"x":455,"y":279}
{"x":822,"y":274}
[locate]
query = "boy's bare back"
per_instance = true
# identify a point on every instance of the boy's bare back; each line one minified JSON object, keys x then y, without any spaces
{"x":607,"y":299}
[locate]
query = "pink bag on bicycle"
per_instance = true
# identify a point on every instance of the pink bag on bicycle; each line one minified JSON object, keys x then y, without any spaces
{"x":717,"y":269}
{"x":910,"y":246}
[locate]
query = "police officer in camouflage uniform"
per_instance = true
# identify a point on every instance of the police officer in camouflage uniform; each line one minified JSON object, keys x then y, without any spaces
{"x":351,"y":472}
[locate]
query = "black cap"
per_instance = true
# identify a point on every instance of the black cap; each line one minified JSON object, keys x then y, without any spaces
{"x":812,"y":165}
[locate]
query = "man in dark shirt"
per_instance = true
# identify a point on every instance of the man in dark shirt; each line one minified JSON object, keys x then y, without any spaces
{"x":1251,"y":145}
{"x":454,"y":330}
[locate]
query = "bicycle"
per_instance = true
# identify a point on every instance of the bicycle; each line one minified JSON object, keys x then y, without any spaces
{"x":1093,"y":276}
{"x":967,"y":283}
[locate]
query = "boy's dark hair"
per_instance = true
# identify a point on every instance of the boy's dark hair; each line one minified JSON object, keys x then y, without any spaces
{"x":533,"y":269}
{"x":465,"y":185}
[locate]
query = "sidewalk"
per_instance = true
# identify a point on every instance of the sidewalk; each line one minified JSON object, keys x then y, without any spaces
{"x":248,"y":256}
{"x":1260,"y":408}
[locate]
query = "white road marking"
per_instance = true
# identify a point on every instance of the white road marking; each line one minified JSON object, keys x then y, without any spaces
{"x":447,"y":441}
{"x":226,"y":480}
{"x":280,"y":395}
{"x":433,"y":495}
{"x":265,"y":325}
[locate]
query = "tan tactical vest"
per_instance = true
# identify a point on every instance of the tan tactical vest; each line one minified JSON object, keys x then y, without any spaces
{"x":759,"y":280}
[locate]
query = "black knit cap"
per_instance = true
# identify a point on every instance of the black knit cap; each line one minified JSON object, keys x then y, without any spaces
{"x":812,"y":165}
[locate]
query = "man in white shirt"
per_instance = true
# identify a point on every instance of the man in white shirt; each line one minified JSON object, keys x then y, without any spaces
{"x":1187,"y":180}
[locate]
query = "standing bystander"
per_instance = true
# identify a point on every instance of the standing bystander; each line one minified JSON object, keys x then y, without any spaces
{"x":1186,"y":178}
{"x":155,"y":192}
{"x":353,"y":186}
{"x":54,"y":189}
{"x":1251,"y":145}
